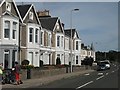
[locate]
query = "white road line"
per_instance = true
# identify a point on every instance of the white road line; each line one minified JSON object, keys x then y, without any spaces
{"x":106,"y":73}
{"x":100,"y":73}
{"x":113,"y":71}
{"x":99,"y":77}
{"x":87,"y":74}
{"x":84,"y":84}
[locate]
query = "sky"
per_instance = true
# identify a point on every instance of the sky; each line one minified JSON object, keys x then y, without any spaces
{"x":96,"y":22}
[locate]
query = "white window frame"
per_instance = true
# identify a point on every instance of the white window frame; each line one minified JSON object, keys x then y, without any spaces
{"x":11,"y":20}
{"x":31,"y":34}
{"x":8,"y":29}
{"x":49,"y":39}
{"x":14,"y":32}
{"x":62,"y":41}
{"x":58,"y":40}
{"x":77,"y":59}
{"x":41,"y":38}
{"x":7,"y":52}
{"x":77,"y":45}
{"x":36,"y":35}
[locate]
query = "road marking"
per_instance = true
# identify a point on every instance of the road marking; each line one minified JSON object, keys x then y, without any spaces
{"x":87,"y":74}
{"x":106,"y":73}
{"x":84,"y":84}
{"x":100,"y":73}
{"x":113,"y":71}
{"x":99,"y":77}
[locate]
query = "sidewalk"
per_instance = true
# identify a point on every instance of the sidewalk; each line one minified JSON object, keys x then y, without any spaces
{"x":40,"y":81}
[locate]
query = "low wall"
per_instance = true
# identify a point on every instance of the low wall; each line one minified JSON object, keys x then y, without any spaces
{"x":39,"y":73}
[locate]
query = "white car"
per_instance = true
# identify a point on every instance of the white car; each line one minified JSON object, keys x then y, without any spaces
{"x":107,"y":64}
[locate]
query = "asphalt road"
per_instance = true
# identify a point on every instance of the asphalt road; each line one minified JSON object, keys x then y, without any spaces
{"x":97,"y":79}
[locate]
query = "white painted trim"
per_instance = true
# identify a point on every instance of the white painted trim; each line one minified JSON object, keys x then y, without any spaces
{"x":27,"y":12}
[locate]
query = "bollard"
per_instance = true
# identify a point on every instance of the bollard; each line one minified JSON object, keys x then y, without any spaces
{"x":28,"y":73}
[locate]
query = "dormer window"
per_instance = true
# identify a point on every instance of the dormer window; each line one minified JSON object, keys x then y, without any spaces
{"x":31,"y":15}
{"x":8,"y":6}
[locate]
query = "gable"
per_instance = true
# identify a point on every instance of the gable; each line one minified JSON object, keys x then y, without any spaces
{"x":76,"y":35}
{"x":58,"y":27}
{"x":12,"y":9}
{"x":31,"y":16}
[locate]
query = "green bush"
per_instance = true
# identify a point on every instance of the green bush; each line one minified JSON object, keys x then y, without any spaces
{"x":25,"y":62}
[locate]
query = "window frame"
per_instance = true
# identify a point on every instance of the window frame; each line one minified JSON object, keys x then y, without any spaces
{"x":36,"y":35}
{"x":7,"y":28}
{"x":58,"y":41}
{"x":76,"y":59}
{"x":31,"y":34}
{"x":14,"y":32}
{"x":77,"y":48}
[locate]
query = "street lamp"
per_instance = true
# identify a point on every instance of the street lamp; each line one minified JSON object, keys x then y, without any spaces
{"x":71,"y":34}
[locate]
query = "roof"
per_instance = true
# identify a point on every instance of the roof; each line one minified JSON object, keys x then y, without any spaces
{"x":2,"y":1}
{"x":48,"y":23}
{"x":68,"y":32}
{"x":23,"y":9}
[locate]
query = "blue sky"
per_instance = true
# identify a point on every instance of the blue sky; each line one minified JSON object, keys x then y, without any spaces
{"x":95,"y":22}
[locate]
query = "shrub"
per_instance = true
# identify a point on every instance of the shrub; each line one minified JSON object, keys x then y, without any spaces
{"x":27,"y":66}
{"x":25,"y":62}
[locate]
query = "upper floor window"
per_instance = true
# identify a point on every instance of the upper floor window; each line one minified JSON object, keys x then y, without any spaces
{"x":14,"y":30}
{"x":36,"y":35}
{"x":7,"y":29}
{"x":41,"y":38}
{"x":58,"y":41}
{"x":30,"y":34}
{"x":49,"y":39}
{"x":76,"y":45}
{"x":62,"y":40}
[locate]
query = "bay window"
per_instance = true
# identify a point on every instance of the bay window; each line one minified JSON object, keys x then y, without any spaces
{"x":30,"y":34}
{"x":14,"y":30}
{"x":58,"y":41}
{"x":7,"y":29}
{"x":36,"y":35}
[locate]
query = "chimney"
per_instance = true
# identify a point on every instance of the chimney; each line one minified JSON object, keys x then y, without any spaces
{"x":44,"y":13}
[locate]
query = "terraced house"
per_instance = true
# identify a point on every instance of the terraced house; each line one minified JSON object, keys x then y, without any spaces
{"x":52,"y":44}
{"x":87,"y":51}
{"x":9,"y":33}
{"x":29,"y":35}
{"x":76,"y":46}
{"x":36,"y":36}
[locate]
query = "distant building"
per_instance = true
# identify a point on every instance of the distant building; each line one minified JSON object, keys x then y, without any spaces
{"x":87,"y":51}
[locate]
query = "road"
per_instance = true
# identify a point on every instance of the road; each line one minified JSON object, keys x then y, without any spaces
{"x":97,"y":79}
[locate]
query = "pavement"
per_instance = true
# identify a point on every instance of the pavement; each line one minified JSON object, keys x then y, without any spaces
{"x":30,"y":83}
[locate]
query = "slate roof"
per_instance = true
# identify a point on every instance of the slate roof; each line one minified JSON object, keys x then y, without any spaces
{"x":23,"y":9}
{"x":68,"y":32}
{"x":48,"y":22}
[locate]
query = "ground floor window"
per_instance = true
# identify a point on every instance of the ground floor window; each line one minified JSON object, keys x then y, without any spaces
{"x":30,"y":56}
{"x":6,"y":58}
{"x":76,"y":59}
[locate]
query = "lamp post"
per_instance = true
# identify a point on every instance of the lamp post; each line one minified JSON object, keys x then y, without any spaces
{"x":71,"y":35}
